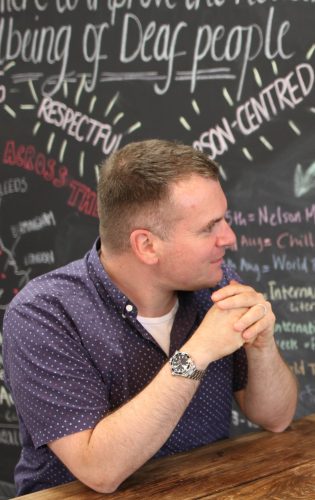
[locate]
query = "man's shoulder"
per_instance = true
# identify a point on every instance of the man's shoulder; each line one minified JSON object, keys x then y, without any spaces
{"x":60,"y":282}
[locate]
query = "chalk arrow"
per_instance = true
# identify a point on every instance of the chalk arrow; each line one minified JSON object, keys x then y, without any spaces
{"x":304,"y":181}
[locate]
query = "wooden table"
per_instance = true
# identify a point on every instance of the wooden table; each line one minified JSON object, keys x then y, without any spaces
{"x":261,"y":465}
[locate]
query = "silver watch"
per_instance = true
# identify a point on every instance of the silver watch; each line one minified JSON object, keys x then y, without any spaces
{"x":182,"y":365}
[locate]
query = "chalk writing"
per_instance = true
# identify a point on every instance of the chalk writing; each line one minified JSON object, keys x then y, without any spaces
{"x":301,"y":307}
{"x":3,"y":92}
{"x":28,"y":158}
{"x":163,"y":47}
{"x":246,"y":266}
{"x":258,"y":242}
{"x":284,"y":292}
{"x":9,"y":437}
{"x":298,"y":367}
{"x":36,"y":224}
{"x":115,"y":5}
{"x":83,"y":198}
{"x":288,"y":344}
{"x":238,"y":419}
{"x":312,"y":367}
{"x":13,"y":185}
{"x":307,"y":395}
{"x":309,"y":213}
{"x":277,"y":217}
{"x":242,"y":42}
{"x":209,"y":49}
{"x":273,"y":217}
{"x":283,"y":263}
{"x":279,"y":263}
{"x":78,"y":125}
{"x":5,"y":397}
{"x":36,"y":45}
{"x":42,"y":5}
{"x":304,"y":181}
{"x":287,"y":240}
{"x":10,"y":416}
{"x":307,"y":328}
{"x":310,"y":344}
{"x":302,"y":368}
{"x":35,"y":258}
{"x":14,"y":6}
{"x":283,"y":93}
{"x":236,"y":217}
{"x":10,"y":265}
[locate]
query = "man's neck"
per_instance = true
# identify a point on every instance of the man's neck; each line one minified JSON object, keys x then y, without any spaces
{"x":136,"y":281}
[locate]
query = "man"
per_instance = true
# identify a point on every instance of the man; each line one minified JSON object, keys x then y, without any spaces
{"x":136,"y":350}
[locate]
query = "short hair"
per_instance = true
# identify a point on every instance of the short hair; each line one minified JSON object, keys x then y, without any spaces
{"x":134,"y":187}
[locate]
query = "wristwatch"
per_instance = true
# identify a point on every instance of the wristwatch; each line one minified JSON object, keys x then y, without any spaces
{"x":182,"y":365}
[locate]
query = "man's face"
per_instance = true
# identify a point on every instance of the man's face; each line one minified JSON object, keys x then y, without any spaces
{"x":190,"y":258}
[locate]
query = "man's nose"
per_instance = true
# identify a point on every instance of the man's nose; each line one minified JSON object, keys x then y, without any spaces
{"x":227,"y":238}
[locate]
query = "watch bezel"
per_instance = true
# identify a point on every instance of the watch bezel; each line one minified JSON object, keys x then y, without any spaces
{"x":182,"y":363}
{"x":189,"y":370}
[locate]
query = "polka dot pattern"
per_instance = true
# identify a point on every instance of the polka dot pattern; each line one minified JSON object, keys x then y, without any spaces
{"x":74,"y":350}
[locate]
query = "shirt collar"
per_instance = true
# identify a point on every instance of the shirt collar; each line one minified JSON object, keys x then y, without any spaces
{"x":106,"y":288}
{"x":104,"y":285}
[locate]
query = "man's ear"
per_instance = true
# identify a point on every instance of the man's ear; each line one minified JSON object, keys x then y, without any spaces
{"x":143,"y":244}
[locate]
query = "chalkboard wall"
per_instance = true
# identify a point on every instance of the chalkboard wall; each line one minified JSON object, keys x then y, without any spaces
{"x":234,"y":78}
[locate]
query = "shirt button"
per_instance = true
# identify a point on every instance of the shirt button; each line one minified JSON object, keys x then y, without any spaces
{"x":129,"y":308}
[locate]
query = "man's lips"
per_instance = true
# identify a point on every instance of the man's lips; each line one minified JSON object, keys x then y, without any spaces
{"x":218,"y":260}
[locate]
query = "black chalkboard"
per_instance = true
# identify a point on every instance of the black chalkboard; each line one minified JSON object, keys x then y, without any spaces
{"x":234,"y":78}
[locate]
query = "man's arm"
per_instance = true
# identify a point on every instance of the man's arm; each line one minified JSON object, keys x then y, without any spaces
{"x":121,"y":442}
{"x":124,"y":440}
{"x":270,"y":396}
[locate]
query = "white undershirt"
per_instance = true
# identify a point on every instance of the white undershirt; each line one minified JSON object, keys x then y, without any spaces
{"x":160,"y":328}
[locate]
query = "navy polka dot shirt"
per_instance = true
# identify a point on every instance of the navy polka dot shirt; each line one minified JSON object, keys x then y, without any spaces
{"x":74,"y":350}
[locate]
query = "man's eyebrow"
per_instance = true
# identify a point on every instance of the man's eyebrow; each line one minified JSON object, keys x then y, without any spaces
{"x":212,"y":222}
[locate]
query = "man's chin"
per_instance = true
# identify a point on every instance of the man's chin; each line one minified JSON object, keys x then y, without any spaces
{"x":215,"y":277}
{"x":211,"y":282}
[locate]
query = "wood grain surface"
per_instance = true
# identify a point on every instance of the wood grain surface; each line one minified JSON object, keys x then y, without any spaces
{"x":261,"y":465}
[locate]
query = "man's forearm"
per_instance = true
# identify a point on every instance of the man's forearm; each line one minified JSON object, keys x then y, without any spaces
{"x":124,"y":440}
{"x":127,"y":438}
{"x":271,"y":393}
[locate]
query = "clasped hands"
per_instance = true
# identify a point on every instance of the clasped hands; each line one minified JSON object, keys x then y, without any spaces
{"x":256,"y":323}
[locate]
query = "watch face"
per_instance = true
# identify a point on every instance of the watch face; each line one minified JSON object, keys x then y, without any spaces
{"x":181,"y":362}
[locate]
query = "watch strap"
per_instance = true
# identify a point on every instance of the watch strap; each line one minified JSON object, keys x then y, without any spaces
{"x":190,"y":372}
{"x":197,"y":375}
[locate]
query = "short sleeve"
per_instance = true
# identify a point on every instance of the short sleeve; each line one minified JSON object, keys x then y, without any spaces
{"x":55,"y":386}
